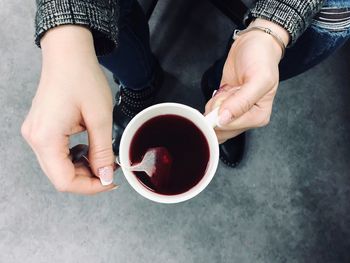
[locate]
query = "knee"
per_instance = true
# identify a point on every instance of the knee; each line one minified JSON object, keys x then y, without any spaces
{"x":333,"y":19}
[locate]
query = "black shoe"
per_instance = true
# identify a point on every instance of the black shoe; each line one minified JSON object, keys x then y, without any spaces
{"x":130,"y":102}
{"x":231,"y":151}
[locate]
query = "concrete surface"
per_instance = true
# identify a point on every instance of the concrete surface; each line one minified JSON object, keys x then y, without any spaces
{"x":289,"y":201}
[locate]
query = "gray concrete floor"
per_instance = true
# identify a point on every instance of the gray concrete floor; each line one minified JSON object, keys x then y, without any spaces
{"x":287,"y":202}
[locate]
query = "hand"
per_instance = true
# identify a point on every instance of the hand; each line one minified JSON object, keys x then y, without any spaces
{"x":73,"y":96}
{"x":249,"y":82}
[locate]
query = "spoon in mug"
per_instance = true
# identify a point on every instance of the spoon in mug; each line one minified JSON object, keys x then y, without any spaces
{"x":156,"y":163}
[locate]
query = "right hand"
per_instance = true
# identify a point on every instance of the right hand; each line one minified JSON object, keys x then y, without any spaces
{"x":249,"y":81}
{"x":73,"y":96}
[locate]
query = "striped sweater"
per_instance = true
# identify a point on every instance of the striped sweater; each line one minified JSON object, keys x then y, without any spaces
{"x":101,"y":17}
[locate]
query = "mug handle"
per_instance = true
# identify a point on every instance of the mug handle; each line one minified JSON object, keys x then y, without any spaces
{"x":213,"y":118}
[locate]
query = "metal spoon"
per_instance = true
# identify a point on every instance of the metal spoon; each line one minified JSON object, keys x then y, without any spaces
{"x":156,"y":161}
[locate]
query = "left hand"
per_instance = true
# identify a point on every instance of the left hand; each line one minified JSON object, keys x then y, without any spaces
{"x":249,"y":82}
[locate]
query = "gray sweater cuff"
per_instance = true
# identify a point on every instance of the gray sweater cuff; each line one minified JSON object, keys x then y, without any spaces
{"x":100,"y":20}
{"x":293,"y":15}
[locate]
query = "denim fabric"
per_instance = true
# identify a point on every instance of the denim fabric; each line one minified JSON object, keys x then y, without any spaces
{"x":336,"y":3}
{"x":132,"y":62}
{"x":318,"y":41}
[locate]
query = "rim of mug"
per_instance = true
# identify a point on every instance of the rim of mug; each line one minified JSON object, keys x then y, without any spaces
{"x":208,"y":133}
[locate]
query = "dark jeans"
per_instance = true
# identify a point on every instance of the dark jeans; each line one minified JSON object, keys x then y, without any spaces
{"x":132,"y":63}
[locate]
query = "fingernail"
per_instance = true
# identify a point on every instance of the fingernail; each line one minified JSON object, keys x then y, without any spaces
{"x":115,"y":187}
{"x":214,"y":93}
{"x":225,"y":117}
{"x":106,"y":175}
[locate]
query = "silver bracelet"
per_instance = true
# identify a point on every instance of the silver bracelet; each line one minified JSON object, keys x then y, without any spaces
{"x":279,"y":40}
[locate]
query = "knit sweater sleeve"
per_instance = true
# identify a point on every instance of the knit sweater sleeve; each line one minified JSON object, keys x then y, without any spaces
{"x":100,"y":16}
{"x":293,"y":15}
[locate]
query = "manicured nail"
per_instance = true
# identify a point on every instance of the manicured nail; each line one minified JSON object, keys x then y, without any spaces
{"x":225,"y":117}
{"x":106,"y":175}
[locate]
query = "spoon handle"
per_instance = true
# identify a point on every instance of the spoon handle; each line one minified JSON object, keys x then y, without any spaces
{"x":135,"y":168}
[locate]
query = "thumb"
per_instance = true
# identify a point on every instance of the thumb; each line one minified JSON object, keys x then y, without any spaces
{"x":240,"y":101}
{"x":101,"y":156}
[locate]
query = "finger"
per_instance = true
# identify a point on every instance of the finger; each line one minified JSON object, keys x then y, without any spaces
{"x":101,"y":156}
{"x":223,"y":136}
{"x":86,"y":183}
{"x":59,"y":168}
{"x":242,"y":100}
{"x":256,"y":117}
{"x":219,"y":96}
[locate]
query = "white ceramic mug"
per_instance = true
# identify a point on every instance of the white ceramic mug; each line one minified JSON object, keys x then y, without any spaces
{"x":204,"y":123}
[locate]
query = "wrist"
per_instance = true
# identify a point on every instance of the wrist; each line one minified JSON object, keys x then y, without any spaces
{"x":268,"y":34}
{"x":67,"y":44}
{"x":277,"y":29}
